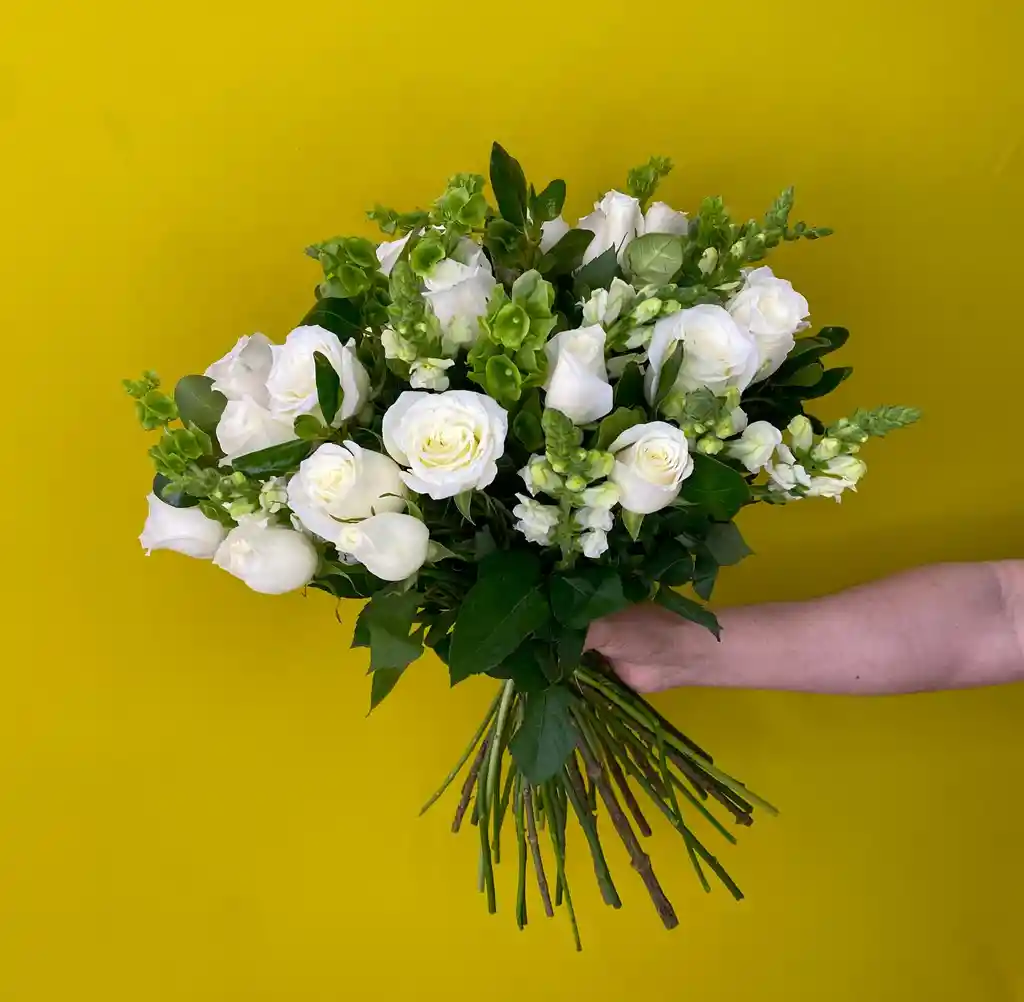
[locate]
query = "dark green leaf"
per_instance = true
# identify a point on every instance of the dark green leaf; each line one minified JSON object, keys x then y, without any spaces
{"x":671,"y":563}
{"x":669,"y":374}
{"x":705,"y":573}
{"x":524,"y":668}
{"x":199,"y":403}
{"x":835,"y":336}
{"x":509,"y":184}
{"x":804,"y":377}
{"x":328,"y":387}
{"x":620,"y":419}
{"x":526,"y":424}
{"x":388,"y":619}
{"x":564,"y":258}
{"x":383,"y":681}
{"x":569,"y":645}
{"x":596,"y":274}
{"x":717,"y":488}
{"x":586,"y":594}
{"x":340,"y":316}
{"x":629,"y":390}
{"x":633,"y":522}
{"x":828,"y":382}
{"x":503,"y":608}
{"x":175,"y":498}
{"x":308,"y":427}
{"x":548,"y":204}
{"x":547,"y":735}
{"x":688,"y":609}
{"x":654,"y":258}
{"x":726,"y":544}
{"x":284,"y":458}
{"x":439,"y":628}
{"x":361,"y":632}
{"x":464,"y":503}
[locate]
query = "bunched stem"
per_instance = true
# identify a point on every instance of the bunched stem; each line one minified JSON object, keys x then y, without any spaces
{"x":538,"y":859}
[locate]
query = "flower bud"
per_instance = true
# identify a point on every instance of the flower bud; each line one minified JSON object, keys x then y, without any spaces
{"x":709,"y":445}
{"x":827,"y":448}
{"x":575,"y":483}
{"x":646,"y":311}
{"x":708,"y":261}
{"x":801,"y":433}
{"x":599,"y":464}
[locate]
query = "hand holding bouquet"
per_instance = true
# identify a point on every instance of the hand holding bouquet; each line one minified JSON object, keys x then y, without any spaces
{"x":497,"y":428}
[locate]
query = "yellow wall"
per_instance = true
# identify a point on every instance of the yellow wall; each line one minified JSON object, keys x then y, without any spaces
{"x":192,"y":805}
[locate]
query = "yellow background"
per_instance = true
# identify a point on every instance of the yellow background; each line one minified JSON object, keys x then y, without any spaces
{"x":192,"y":803}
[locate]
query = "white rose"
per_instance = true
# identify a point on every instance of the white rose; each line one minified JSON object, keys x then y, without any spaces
{"x":577,"y":383}
{"x":773,"y":312}
{"x":594,"y":542}
{"x":268,"y":558}
{"x":292,"y":381}
{"x":390,"y":251}
{"x":801,"y":434}
{"x":718,"y":354}
{"x":183,"y":530}
{"x":605,"y":306}
{"x":458,"y":289}
{"x":390,"y":546}
{"x":537,"y":522}
{"x":551,"y":232}
{"x":342,"y":482}
{"x":662,"y":218}
{"x":429,"y":374}
{"x":651,"y":462}
{"x":849,"y":468}
{"x":756,"y":446}
{"x":243,"y":371}
{"x":396,"y":346}
{"x":449,"y":441}
{"x":245,"y":427}
{"x":615,"y":222}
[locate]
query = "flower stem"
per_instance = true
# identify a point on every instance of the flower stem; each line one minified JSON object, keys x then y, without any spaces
{"x":573,"y":784}
{"x":538,"y":860}
{"x":549,"y":798}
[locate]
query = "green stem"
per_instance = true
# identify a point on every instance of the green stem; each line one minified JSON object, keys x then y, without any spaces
{"x":518,"y":807}
{"x":464,"y":758}
{"x":549,"y":798}
{"x":493,"y":766}
{"x":586,"y":820}
{"x":499,"y":815}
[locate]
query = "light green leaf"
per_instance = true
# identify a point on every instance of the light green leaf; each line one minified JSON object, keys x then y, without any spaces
{"x":620,"y":419}
{"x":632,"y":521}
{"x":199,"y":403}
{"x":654,"y":258}
{"x":464,"y":503}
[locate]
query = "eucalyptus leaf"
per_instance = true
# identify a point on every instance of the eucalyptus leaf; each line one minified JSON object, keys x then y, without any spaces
{"x":547,"y":735}
{"x":654,"y":258}
{"x":277,"y":459}
{"x":199,"y":403}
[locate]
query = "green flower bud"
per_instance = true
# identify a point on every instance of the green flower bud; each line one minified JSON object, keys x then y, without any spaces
{"x":710,"y":446}
{"x":557,"y":464}
{"x":575,"y":483}
{"x":599,"y":464}
{"x":580,"y":455}
{"x":670,"y":307}
{"x":708,"y":261}
{"x":647,"y":310}
{"x":699,"y":428}
{"x":801,"y":433}
{"x":738,"y":248}
{"x":239,"y":508}
{"x":828,"y":448}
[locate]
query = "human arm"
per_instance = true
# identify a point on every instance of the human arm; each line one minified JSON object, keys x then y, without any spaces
{"x":946,"y":626}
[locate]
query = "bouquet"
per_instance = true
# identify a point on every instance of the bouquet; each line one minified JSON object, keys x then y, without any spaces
{"x":497,"y":428}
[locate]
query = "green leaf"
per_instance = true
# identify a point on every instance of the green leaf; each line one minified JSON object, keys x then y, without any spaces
{"x":163,"y":488}
{"x":565,"y":257}
{"x":387,"y":620}
{"x":524,"y":668}
{"x":383,"y":681}
{"x":548,"y":204}
{"x":284,"y":458}
{"x":504,"y":607}
{"x":879,"y":421}
{"x":629,"y":390}
{"x":464,"y":503}
{"x":509,"y":184}
{"x":669,"y":374}
{"x":199,"y":403}
{"x":828,"y":382}
{"x":547,"y":735}
{"x":580,"y":596}
{"x":688,"y":609}
{"x":809,"y":375}
{"x":717,"y":488}
{"x":328,"y":387}
{"x":308,"y":427}
{"x":569,"y":644}
{"x":632,"y":521}
{"x":705,"y":573}
{"x":526,"y":424}
{"x":726,"y":544}
{"x":654,"y":258}
{"x":620,"y":419}
{"x":835,"y":336}
{"x":596,"y":274}
{"x":671,"y":563}
{"x":340,"y":316}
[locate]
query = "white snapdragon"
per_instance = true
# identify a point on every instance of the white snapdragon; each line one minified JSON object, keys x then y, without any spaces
{"x":243,"y":371}
{"x":615,"y":222}
{"x":341,"y":482}
{"x":773,"y":311}
{"x":538,"y":476}
{"x":593,"y":543}
{"x":756,"y":446}
{"x":183,"y":530}
{"x":536,"y":521}
{"x":651,"y":462}
{"x":274,"y":495}
{"x":390,"y":546}
{"x":292,"y":380}
{"x":246,"y":426}
{"x":605,"y":306}
{"x":786,"y":476}
{"x":270,"y":559}
{"x":397,"y":347}
{"x":577,"y":383}
{"x":551,"y":232}
{"x":389,"y":252}
{"x":801,"y":433}
{"x":603,"y":495}
{"x":458,"y":289}
{"x":717,"y":354}
{"x":450,"y":442}
{"x":849,"y":468}
{"x":594,"y":518}
{"x":430,"y":374}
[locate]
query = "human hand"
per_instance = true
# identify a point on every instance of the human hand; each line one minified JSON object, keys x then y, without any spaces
{"x":645,"y":645}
